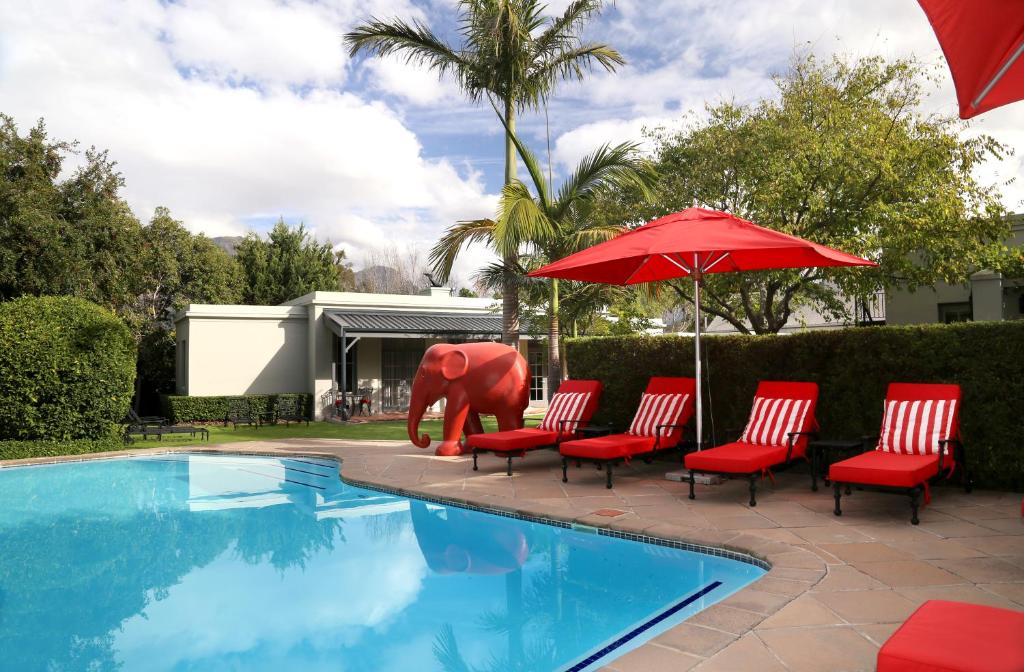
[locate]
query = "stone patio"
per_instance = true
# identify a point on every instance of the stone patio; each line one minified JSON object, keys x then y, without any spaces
{"x":838,"y":587}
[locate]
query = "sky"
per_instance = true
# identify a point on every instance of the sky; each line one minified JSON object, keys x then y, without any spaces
{"x":234,"y":113}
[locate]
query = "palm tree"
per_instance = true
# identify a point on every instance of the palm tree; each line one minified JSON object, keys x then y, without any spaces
{"x":547,"y":226}
{"x":510,"y":54}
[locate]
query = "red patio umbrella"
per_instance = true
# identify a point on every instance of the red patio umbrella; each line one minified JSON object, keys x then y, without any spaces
{"x":983,"y":41}
{"x":693,"y":243}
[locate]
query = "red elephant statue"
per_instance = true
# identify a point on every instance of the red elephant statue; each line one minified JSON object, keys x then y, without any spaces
{"x":473,"y":378}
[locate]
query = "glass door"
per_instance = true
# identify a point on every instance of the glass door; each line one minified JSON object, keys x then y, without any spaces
{"x":400,"y":357}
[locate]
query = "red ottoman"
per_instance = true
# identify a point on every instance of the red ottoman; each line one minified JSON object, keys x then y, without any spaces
{"x":956,"y":637}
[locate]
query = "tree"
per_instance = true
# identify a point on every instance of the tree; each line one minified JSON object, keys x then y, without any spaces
{"x":288,"y":264}
{"x":510,"y":52}
{"x":72,"y":236}
{"x":843,"y":157}
{"x":551,"y":225}
{"x":176,"y":268}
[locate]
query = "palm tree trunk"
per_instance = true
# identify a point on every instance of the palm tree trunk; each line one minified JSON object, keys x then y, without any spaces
{"x":509,"y":291}
{"x":554,"y":347}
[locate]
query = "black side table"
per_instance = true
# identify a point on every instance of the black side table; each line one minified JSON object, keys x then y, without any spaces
{"x":824,"y":453}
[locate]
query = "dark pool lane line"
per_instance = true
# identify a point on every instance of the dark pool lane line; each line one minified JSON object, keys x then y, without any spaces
{"x":643,"y":627}
{"x":257,"y":473}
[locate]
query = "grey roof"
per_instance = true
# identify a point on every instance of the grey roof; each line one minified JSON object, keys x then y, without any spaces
{"x":395,"y":322}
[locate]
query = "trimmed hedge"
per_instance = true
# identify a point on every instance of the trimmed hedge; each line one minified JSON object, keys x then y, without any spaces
{"x":67,"y":369}
{"x":214,"y":409}
{"x":853,"y":368}
{"x":19,"y":450}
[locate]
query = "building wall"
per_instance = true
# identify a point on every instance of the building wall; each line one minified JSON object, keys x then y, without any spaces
{"x":228,"y":356}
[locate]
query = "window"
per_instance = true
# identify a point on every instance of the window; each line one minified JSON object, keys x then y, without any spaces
{"x":538,"y":371}
{"x":955,"y":312}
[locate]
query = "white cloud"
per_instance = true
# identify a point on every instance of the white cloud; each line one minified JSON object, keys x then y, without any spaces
{"x":219,"y":155}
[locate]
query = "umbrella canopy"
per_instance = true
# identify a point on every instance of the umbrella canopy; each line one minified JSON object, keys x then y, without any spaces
{"x":705,"y":241}
{"x":983,"y":41}
{"x":693,"y":243}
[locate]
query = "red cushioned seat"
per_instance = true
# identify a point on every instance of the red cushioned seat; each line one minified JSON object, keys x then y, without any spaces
{"x":956,"y":637}
{"x":889,"y":469}
{"x":515,"y":440}
{"x":611,"y":447}
{"x":736,"y":458}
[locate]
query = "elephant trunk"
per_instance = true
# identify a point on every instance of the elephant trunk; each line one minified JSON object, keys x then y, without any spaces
{"x":417,"y":406}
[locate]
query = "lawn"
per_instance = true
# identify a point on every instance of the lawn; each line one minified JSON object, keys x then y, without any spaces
{"x":384,"y":430}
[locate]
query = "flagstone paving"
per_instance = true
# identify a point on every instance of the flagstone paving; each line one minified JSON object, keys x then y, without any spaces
{"x":838,"y":586}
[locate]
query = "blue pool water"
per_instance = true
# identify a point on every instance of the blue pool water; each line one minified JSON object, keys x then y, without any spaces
{"x":212,"y":562}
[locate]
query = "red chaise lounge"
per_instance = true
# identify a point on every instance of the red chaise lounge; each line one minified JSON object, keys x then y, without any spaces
{"x":919,"y":425}
{"x":665,"y":408}
{"x":956,"y":637}
{"x":571,"y":408}
{"x":780,"y":426}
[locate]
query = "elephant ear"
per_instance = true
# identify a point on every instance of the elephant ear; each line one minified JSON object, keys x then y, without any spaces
{"x":454,"y":364}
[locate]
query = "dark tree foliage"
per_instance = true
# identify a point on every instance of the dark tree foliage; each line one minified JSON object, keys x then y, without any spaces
{"x":288,"y":263}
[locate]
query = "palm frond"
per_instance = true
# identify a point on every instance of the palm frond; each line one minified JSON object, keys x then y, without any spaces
{"x":619,"y":167}
{"x":459,"y":235}
{"x":574,"y":62}
{"x":413,"y":40}
{"x":520,"y":219}
{"x":446,"y":651}
{"x":562,"y":30}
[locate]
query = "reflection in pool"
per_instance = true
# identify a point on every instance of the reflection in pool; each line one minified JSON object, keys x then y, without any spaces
{"x":215,"y":562}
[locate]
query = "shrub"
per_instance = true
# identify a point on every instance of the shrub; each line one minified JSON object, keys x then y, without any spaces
{"x":853,"y":368}
{"x":67,"y":369}
{"x":207,"y":409}
{"x":18,"y":450}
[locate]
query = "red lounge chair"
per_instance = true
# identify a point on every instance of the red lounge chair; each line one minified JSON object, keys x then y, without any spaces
{"x":956,"y":637}
{"x":665,"y":408}
{"x":570,"y":408}
{"x":920,"y":423}
{"x":781,"y":423}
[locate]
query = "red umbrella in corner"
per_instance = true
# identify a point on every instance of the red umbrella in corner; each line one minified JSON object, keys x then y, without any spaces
{"x":693,"y":243}
{"x":983,"y":41}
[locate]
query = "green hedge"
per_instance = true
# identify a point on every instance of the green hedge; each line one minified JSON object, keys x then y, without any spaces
{"x":853,"y":368}
{"x":67,"y":370}
{"x":214,"y":409}
{"x":19,"y":450}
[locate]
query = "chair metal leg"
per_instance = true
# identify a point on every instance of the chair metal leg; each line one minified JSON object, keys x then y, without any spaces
{"x":914,"y":493}
{"x":509,"y":471}
{"x":475,"y":468}
{"x":838,"y":489}
{"x":608,"y":472}
{"x":565,"y":470}
{"x":753,"y":489}
{"x":692,"y":495}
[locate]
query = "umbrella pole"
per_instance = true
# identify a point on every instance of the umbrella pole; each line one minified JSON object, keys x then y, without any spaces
{"x":697,"y":279}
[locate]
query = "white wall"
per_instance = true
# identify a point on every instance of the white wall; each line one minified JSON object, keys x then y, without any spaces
{"x":228,"y":356}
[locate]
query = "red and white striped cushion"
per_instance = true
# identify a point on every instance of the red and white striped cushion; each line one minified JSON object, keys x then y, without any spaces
{"x":916,"y":427}
{"x":564,"y":406}
{"x":771,"y":420}
{"x":655,"y":410}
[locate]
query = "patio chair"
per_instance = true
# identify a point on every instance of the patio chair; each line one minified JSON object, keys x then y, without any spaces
{"x":956,"y":637}
{"x":289,"y":410}
{"x":570,"y":409}
{"x":240,"y":413}
{"x":920,"y":426}
{"x":665,"y":408}
{"x":780,"y":426}
{"x":156,"y":425}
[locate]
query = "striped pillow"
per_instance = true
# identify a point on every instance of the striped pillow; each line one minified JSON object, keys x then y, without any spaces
{"x":771,"y":420}
{"x":916,"y":427}
{"x":657,"y":409}
{"x":564,"y":406}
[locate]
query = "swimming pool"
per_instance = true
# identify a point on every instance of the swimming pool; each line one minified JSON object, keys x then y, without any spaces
{"x":218,"y":562}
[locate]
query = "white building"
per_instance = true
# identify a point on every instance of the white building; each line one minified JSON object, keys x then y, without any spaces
{"x":298,"y":346}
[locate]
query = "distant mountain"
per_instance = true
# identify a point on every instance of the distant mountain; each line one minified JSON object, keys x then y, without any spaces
{"x":227,"y":243}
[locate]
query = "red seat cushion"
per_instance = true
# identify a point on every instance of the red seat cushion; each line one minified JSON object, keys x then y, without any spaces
{"x":736,"y":458}
{"x":609,"y":447}
{"x":881,"y":468}
{"x":956,"y":637}
{"x":513,"y":440}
